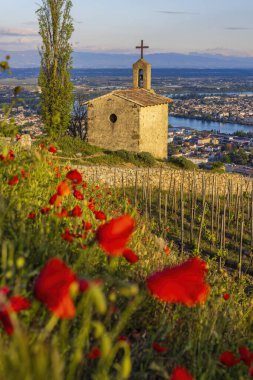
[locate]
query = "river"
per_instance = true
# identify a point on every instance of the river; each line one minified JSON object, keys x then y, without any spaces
{"x":202,"y":125}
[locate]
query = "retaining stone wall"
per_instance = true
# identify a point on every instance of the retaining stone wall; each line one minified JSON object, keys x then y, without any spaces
{"x":115,"y":176}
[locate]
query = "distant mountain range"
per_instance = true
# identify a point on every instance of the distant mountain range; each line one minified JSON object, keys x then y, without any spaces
{"x":28,"y":59}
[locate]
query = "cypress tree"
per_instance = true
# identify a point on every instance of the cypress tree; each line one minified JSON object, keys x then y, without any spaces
{"x":55,"y":29}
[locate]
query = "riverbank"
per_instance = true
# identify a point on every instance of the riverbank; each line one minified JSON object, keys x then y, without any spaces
{"x":209,"y":120}
{"x":206,"y":125}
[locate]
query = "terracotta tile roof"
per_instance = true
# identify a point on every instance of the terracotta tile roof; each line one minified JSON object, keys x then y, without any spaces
{"x":142,"y":97}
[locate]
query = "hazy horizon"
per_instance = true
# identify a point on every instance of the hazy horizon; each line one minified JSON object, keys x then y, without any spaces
{"x":195,"y":26}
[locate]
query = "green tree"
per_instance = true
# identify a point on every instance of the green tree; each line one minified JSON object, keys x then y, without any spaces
{"x":8,"y":127}
{"x":56,"y":28}
{"x":239,"y":157}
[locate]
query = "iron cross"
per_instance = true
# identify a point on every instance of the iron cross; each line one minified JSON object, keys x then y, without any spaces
{"x":142,"y":47}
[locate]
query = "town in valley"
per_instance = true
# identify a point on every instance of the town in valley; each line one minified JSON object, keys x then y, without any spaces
{"x":222,"y":96}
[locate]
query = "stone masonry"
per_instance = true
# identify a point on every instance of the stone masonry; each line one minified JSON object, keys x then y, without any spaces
{"x":134,"y":119}
{"x":170,"y":178}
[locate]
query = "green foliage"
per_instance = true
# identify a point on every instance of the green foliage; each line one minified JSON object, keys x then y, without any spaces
{"x":4,"y":65}
{"x":217,"y":167}
{"x":243,"y":134}
{"x":173,"y":149}
{"x":56,"y":28}
{"x":8,"y":127}
{"x":239,"y":157}
{"x":138,"y":159}
{"x":146,"y":158}
{"x":70,"y":146}
{"x":182,"y":163}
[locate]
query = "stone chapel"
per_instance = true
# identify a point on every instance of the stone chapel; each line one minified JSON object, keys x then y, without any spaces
{"x":134,"y":119}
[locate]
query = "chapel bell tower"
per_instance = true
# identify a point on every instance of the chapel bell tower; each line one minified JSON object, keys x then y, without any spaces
{"x":142,"y":71}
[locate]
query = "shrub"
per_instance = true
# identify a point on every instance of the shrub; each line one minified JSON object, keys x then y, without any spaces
{"x":146,"y":158}
{"x":138,"y":159}
{"x":183,"y":163}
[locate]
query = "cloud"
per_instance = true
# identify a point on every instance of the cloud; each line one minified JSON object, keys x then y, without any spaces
{"x":227,"y":52}
{"x":237,"y":28}
{"x":13,"y":32}
{"x":178,"y":12}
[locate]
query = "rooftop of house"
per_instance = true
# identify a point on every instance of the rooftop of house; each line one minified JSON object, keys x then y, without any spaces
{"x":139,"y":96}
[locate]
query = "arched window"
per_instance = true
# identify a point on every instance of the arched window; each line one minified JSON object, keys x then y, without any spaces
{"x":141,"y":79}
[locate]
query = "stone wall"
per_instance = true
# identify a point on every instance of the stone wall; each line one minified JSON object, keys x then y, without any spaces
{"x":154,"y":130}
{"x":170,"y":178}
{"x":123,"y":134}
{"x":146,"y":67}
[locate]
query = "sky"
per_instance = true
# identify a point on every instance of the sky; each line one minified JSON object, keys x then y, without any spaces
{"x":183,"y":26}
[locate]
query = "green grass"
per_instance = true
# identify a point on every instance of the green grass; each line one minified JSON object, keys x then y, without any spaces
{"x":70,"y":148}
{"x":44,"y":348}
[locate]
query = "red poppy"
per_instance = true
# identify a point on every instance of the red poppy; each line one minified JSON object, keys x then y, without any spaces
{"x":78,"y":195}
{"x":159,"y":348}
{"x":75,"y":176}
{"x":67,"y":236}
{"x":45,"y":210}
{"x":246,"y":355}
{"x":42,"y":146}
{"x":87,"y":225}
{"x":24,"y":174}
{"x":91,"y":204}
{"x":227,"y":358}
{"x":84,"y":186}
{"x":52,"y":149}
{"x":13,"y":181}
{"x":4,"y":291}
{"x":63,"y":213}
{"x":95,"y":353}
{"x":53,"y":199}
{"x":114,"y":236}
{"x":180,"y":373}
{"x":123,"y":338}
{"x":167,"y":250}
{"x":77,"y":212}
{"x":14,"y":305}
{"x":184,"y":283}
{"x":31,"y":215}
{"x":52,"y":288}
{"x":99,"y":215}
{"x":130,"y":256}
{"x":9,"y":156}
{"x":226,"y":296}
{"x":63,"y":189}
{"x":84,"y":284}
{"x":251,"y":371}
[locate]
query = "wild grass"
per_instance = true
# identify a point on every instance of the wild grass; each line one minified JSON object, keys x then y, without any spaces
{"x":44,"y":347}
